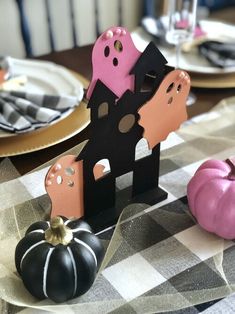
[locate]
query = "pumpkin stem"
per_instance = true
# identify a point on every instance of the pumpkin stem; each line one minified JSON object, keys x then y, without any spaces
{"x":231,"y":164}
{"x":58,"y":233}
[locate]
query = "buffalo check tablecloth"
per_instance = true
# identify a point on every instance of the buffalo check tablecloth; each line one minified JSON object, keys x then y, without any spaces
{"x":160,"y":260}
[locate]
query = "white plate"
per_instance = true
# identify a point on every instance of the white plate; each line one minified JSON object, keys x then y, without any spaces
{"x":192,"y":61}
{"x":46,"y":78}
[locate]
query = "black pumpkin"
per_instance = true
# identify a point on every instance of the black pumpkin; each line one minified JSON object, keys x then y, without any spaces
{"x":58,"y":259}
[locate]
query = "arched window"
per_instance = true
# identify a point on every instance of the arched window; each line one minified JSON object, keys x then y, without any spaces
{"x":103,"y":110}
{"x":142,"y":149}
{"x":149,"y":81}
{"x":101,"y":169}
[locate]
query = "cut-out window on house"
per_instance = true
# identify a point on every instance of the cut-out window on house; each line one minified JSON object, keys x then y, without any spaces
{"x":126,"y":123}
{"x":103,"y":110}
{"x":101,"y":169}
{"x":106,"y":51}
{"x":148,"y":82}
{"x":142,"y":149}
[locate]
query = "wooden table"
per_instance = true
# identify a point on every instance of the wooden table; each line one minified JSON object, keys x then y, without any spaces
{"x":79,"y":60}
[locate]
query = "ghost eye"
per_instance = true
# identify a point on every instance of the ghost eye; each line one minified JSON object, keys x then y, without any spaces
{"x":106,"y":51}
{"x":115,"y":62}
{"x":170,"y":87}
{"x":179,"y":87}
{"x":118,"y":46}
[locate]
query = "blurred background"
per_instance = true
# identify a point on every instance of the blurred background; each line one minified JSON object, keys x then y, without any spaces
{"x":37,"y":27}
{"x":60,"y":24}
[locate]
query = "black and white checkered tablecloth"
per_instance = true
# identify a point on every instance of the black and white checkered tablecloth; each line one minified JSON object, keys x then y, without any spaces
{"x":172,"y":253}
{"x":163,"y":251}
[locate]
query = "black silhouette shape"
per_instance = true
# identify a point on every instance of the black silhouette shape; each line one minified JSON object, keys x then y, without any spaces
{"x":115,"y":133}
{"x":149,"y":69}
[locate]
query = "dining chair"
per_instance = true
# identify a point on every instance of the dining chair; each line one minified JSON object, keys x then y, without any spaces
{"x":36,"y":27}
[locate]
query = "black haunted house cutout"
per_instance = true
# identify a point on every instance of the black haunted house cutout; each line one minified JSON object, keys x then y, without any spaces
{"x":115,"y":134}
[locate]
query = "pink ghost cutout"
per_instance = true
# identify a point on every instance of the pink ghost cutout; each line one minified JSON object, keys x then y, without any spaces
{"x":112,"y":65}
{"x":166,"y":110}
{"x":64,"y":185}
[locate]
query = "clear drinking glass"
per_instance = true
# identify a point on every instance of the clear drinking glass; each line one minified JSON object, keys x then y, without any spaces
{"x":182,"y":23}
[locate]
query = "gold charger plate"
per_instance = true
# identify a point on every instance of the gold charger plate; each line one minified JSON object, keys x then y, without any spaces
{"x":51,"y":135}
{"x":212,"y":80}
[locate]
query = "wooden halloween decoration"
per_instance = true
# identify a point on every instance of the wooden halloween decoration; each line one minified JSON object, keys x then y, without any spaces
{"x":166,"y":110}
{"x":113,"y":56}
{"x":114,"y":137}
{"x":211,"y":197}
{"x":122,"y":113}
{"x":58,"y":259}
{"x":64,"y":185}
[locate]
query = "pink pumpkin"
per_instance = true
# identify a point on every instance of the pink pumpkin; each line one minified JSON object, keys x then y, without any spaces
{"x":211,"y":197}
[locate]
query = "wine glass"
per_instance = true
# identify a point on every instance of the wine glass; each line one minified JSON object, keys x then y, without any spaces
{"x":181,"y":28}
{"x":182,"y":23}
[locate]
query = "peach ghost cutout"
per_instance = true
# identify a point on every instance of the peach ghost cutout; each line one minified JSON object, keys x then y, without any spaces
{"x":113,"y":56}
{"x":166,"y":110}
{"x":64,"y":185}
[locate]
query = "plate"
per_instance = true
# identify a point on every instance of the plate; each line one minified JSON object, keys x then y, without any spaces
{"x":46,"y":137}
{"x":46,"y":78}
{"x":192,"y":61}
{"x":213,"y":81}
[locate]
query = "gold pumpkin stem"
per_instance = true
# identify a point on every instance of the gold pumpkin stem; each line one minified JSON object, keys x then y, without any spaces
{"x":58,"y":233}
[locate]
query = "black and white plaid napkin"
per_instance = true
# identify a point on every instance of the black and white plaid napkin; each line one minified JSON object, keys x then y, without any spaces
{"x":218,"y":54}
{"x":22,"y":112}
